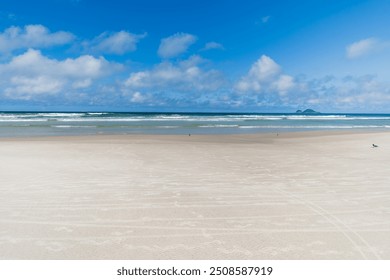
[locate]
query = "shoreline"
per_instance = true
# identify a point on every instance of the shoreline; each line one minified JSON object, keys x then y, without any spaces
{"x":73,"y":124}
{"x":283,"y":134}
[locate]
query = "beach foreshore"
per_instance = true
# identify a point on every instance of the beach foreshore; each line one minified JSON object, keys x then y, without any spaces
{"x":311,"y":195}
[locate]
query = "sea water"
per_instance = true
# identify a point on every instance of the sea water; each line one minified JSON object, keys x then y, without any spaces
{"x":89,"y":123}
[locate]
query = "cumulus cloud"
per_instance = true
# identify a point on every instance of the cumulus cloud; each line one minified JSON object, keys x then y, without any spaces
{"x":346,"y":94}
{"x":362,"y":47}
{"x":330,"y":93}
{"x":32,"y":73}
{"x":34,"y":62}
{"x":213,"y":45}
{"x":138,"y":97}
{"x":178,"y":78}
{"x":283,"y":84}
{"x":34,"y":85}
{"x":361,"y":92}
{"x":175,"y":45}
{"x":184,"y":76}
{"x":32,"y":36}
{"x":265,"y":76}
{"x":117,"y":43}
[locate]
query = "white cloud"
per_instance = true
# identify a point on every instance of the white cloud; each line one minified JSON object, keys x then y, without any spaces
{"x":138,"y":97}
{"x":366,"y":47}
{"x":32,"y":73}
{"x":284,"y":84}
{"x":346,"y":94}
{"x":357,"y":92}
{"x":175,"y":45}
{"x":213,"y":45}
{"x":26,"y":87}
{"x":32,"y":62}
{"x":32,"y":36}
{"x":362,"y":47}
{"x":114,"y":43}
{"x":265,"y":19}
{"x":185,"y":76}
{"x":82,"y":83}
{"x":265,"y":76}
{"x":264,"y":69}
{"x":330,"y":93}
{"x":177,"y":78}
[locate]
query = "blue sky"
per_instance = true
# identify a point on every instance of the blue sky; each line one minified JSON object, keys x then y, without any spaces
{"x":264,"y":56}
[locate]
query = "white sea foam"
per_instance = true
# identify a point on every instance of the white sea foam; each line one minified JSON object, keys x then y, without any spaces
{"x":52,"y":123}
{"x":313,"y":126}
{"x":74,"y":126}
{"x":61,"y":114}
{"x":21,"y":120}
{"x":219,"y":125}
{"x":97,"y":114}
{"x":101,"y":117}
{"x":175,"y":117}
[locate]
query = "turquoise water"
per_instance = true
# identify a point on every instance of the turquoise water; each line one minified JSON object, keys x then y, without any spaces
{"x":81,"y":123}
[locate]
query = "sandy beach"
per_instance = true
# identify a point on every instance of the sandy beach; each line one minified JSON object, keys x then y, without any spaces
{"x":312,"y":195}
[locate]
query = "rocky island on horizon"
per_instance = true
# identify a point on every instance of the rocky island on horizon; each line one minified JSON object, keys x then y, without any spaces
{"x":307,"y":111}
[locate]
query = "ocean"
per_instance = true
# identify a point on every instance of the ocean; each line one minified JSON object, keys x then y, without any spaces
{"x":15,"y":124}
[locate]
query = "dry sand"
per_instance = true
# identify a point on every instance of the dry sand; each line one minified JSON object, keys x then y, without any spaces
{"x":295,"y":196}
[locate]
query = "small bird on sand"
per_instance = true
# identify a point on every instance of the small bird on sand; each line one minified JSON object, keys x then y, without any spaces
{"x":374,"y":146}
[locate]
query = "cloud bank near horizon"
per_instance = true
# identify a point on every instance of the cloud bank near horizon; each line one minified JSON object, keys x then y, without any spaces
{"x":181,"y":79}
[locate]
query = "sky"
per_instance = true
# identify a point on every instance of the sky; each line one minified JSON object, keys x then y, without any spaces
{"x":198,"y":56}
